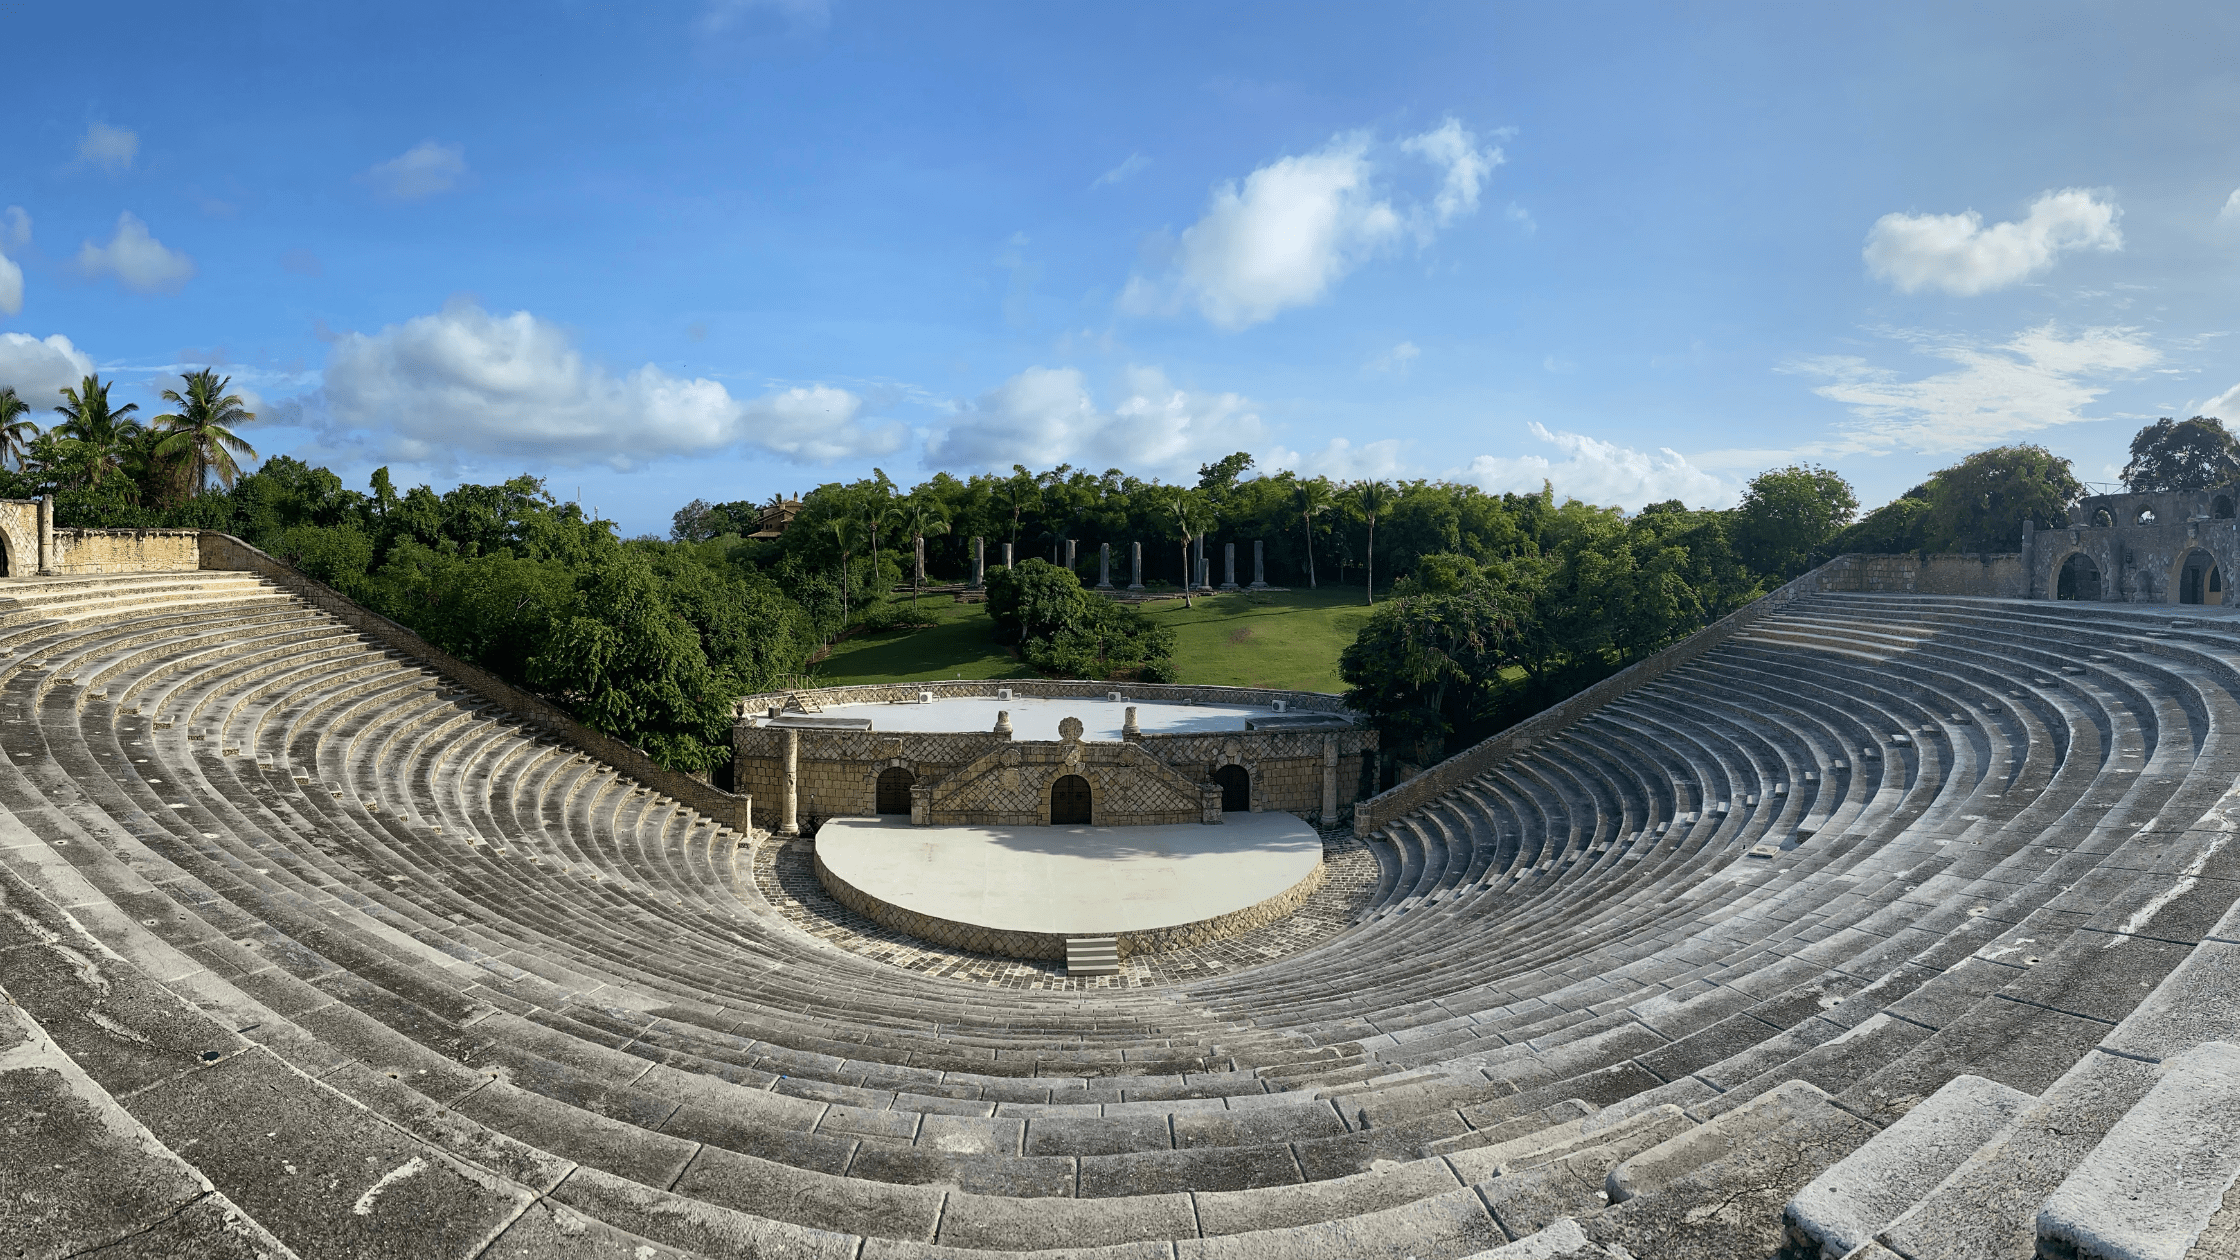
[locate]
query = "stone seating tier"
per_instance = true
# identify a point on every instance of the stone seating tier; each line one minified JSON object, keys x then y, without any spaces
{"x":304,"y":946}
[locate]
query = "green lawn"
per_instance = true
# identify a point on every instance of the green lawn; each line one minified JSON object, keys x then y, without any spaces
{"x":958,"y":645}
{"x":1289,"y":640}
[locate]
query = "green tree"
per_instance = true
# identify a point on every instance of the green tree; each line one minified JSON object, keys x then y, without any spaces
{"x":1314,"y":499}
{"x":1788,"y":513}
{"x":1188,"y":514}
{"x":1427,"y":661}
{"x":2182,"y":455}
{"x":16,"y":428}
{"x":104,"y":433}
{"x":1980,"y":503}
{"x":1372,"y":499}
{"x":202,"y":430}
{"x":923,"y":515}
{"x":1896,"y":526}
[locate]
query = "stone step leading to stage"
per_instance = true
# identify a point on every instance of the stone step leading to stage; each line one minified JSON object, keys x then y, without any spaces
{"x":1092,"y":955}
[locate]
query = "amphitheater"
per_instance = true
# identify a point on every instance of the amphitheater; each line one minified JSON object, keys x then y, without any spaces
{"x":1858,"y":925}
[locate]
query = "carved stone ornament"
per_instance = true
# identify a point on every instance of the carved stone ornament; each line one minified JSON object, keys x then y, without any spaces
{"x":1069,"y":730}
{"x":1011,"y":756}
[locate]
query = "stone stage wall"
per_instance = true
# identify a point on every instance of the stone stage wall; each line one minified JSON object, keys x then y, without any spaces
{"x":984,"y":940}
{"x":1314,"y":773}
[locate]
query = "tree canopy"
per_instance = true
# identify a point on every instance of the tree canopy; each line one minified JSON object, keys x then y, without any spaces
{"x":2182,"y":455}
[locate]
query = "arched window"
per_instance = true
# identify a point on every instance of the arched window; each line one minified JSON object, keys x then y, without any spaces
{"x":2146,"y":517}
{"x":2221,"y":507}
{"x":1236,"y":789}
{"x":894,"y":790}
{"x":1069,"y":800}
{"x":2080,"y":579}
{"x":2101,"y":519}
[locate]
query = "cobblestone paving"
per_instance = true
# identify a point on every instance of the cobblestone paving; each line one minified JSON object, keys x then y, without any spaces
{"x":786,"y":874}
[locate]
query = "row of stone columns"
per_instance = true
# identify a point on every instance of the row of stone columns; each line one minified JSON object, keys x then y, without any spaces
{"x":1202,"y":579}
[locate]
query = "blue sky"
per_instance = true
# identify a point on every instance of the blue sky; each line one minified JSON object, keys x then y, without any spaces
{"x":723,"y":250}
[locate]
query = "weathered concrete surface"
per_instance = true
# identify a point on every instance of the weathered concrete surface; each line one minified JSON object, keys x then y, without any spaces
{"x":1715,"y":1192}
{"x":1846,"y":1206}
{"x":2150,"y":1187}
{"x":1073,"y":881}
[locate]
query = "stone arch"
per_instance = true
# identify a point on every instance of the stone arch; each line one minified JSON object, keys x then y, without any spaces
{"x":2078,"y":578}
{"x":2101,"y":519}
{"x":19,"y":550}
{"x":2146,"y":516}
{"x":1235,"y":783}
{"x":892,"y":793}
{"x":2199,"y":579}
{"x":2220,"y":507}
{"x":1072,"y":801}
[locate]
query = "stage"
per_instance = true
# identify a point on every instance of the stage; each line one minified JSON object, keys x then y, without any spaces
{"x":1021,"y":891}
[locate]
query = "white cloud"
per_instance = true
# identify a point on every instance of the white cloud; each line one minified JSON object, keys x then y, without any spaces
{"x":2035,"y":380}
{"x":2231,"y":209}
{"x":39,"y":369}
{"x":110,"y":148}
{"x":464,"y":381}
{"x":1341,"y":460}
{"x":1956,"y":253}
{"x":1296,"y":226}
{"x":1046,"y":416}
{"x":14,"y":234}
{"x":138,"y":261}
{"x":798,"y":16}
{"x":1595,"y":471}
{"x":1467,"y":166}
{"x":1398,"y":359}
{"x":2225,"y":407}
{"x":422,"y":171}
{"x":1131,"y":165}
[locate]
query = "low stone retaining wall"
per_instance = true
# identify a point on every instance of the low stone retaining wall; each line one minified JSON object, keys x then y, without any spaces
{"x":224,"y":551}
{"x":1997,"y":575}
{"x":983,"y":940}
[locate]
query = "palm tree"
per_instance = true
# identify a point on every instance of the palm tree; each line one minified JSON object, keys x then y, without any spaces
{"x":201,"y":430}
{"x":1182,"y":508}
{"x":1372,"y":497}
{"x":15,"y":431}
{"x":106,"y":431}
{"x":840,"y":539}
{"x":1314,"y":496}
{"x":926,"y":521}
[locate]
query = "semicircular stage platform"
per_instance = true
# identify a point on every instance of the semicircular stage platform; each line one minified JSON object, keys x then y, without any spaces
{"x":1021,"y":891}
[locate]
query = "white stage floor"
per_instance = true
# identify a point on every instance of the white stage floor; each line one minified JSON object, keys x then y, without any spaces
{"x":1072,"y":881}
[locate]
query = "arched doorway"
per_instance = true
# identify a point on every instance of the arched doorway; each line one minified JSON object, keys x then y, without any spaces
{"x":2080,"y":579}
{"x":1236,"y":789}
{"x":4,"y":569}
{"x":2200,"y":581}
{"x":894,"y":790}
{"x":1069,"y":800}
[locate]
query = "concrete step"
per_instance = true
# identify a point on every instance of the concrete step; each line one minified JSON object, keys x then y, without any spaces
{"x":1092,"y":956}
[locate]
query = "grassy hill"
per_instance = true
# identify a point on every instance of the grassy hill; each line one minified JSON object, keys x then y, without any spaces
{"x":1287,"y":639}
